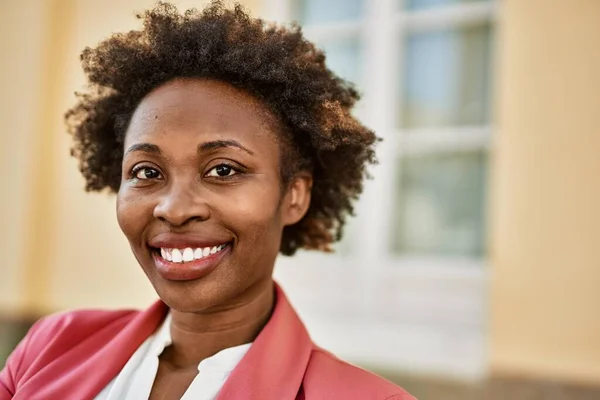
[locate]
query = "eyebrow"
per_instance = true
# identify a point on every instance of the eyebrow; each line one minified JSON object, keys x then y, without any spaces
{"x":217,"y":144}
{"x":202,"y":147}
{"x":144,"y":147}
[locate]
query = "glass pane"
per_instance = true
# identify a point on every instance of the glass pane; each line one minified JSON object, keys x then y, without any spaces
{"x":447,"y":78}
{"x":343,"y":57}
{"x":441,"y":202}
{"x":423,"y":4}
{"x":311,"y":12}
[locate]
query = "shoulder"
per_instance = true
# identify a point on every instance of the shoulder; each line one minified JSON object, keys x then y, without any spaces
{"x":54,"y":335}
{"x":329,"y":377}
{"x":74,"y":326}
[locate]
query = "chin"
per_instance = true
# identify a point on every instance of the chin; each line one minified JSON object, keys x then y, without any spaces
{"x":189,"y":296}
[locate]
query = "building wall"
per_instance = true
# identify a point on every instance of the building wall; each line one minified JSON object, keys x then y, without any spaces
{"x":22,"y":25}
{"x":545,"y":302}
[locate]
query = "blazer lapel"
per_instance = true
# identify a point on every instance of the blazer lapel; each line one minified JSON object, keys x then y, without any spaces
{"x":274,"y":366}
{"x":84,"y":370}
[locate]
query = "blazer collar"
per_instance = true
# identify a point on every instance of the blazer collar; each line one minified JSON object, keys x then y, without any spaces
{"x":86,"y":368}
{"x":274,"y":367}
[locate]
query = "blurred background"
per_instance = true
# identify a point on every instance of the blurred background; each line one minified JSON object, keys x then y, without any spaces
{"x":472,"y":267}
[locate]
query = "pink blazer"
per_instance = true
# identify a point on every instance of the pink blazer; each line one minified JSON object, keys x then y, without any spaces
{"x":75,"y":355}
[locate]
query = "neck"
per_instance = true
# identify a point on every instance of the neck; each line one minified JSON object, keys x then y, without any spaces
{"x":196,"y":336}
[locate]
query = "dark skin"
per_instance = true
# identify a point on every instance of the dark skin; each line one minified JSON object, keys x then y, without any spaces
{"x":205,"y":166}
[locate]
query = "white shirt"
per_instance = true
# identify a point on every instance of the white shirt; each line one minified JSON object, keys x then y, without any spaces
{"x":135,"y":380}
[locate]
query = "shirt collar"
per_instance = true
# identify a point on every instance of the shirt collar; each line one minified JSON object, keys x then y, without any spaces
{"x":162,"y":337}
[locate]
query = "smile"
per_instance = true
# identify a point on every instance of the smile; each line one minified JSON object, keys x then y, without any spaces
{"x":188,"y":254}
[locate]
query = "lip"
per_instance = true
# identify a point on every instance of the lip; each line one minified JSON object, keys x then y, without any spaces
{"x":190,"y":270}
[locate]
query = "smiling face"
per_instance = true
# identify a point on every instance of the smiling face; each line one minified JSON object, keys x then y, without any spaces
{"x":201,"y":199}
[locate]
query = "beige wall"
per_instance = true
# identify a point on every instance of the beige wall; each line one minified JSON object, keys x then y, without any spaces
{"x":20,"y":77}
{"x":62,"y":247}
{"x":545,"y":314}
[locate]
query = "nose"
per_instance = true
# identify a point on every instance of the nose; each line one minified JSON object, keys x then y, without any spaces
{"x":182,"y":203}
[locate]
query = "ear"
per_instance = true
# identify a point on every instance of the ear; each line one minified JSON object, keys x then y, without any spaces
{"x":297,"y":198}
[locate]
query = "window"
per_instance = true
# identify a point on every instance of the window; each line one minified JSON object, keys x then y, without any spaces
{"x":441,"y":108}
{"x":425,"y":70}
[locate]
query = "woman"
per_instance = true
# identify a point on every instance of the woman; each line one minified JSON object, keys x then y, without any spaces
{"x":227,"y":141}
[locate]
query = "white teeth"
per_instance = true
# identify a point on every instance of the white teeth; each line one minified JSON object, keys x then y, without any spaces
{"x":177,"y":256}
{"x":188,"y":254}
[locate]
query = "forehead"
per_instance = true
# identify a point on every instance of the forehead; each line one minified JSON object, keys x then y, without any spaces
{"x":202,"y":106}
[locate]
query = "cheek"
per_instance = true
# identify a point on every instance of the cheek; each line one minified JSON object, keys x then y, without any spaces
{"x":255,"y":214}
{"x":130,"y":214}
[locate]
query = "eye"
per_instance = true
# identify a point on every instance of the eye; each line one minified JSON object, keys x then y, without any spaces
{"x":222,"y":171}
{"x":144,"y":173}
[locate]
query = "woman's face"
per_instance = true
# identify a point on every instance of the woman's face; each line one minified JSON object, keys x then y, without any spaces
{"x":201,"y":199}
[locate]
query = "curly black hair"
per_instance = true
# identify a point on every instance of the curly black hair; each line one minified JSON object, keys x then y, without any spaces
{"x":275,"y":64}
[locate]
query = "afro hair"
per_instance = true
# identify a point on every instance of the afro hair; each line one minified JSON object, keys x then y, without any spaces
{"x":275,"y":64}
